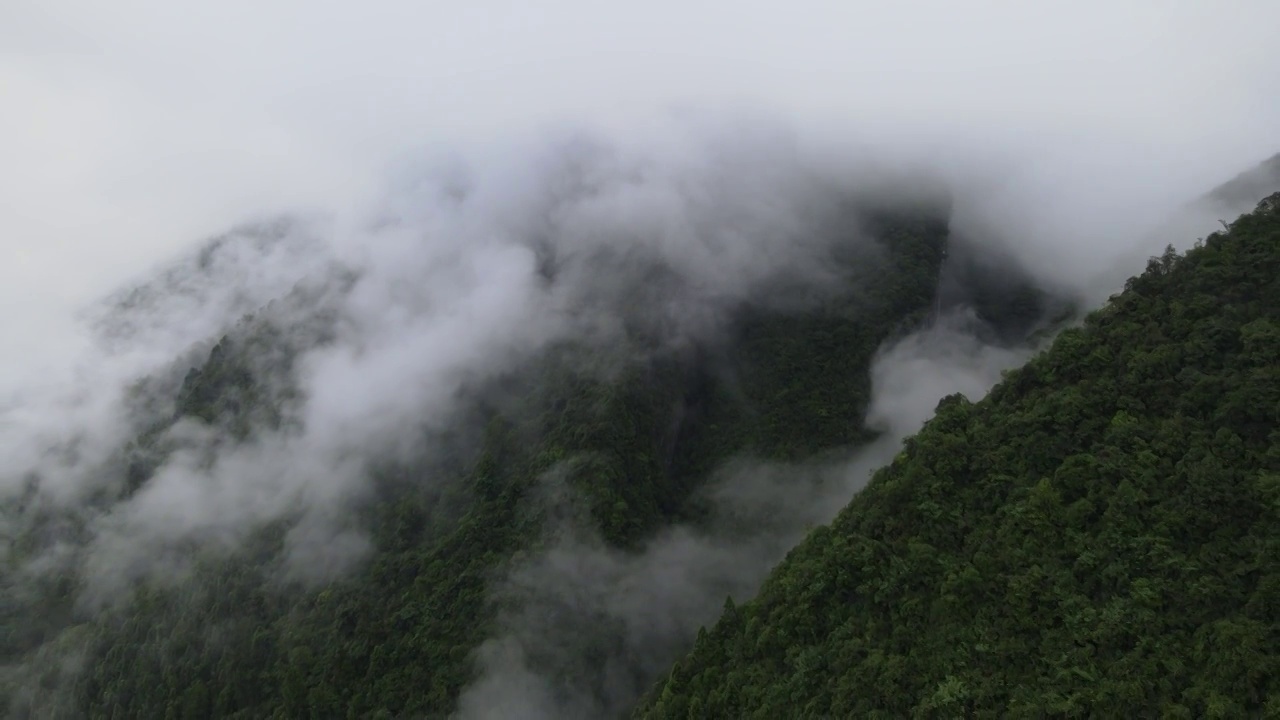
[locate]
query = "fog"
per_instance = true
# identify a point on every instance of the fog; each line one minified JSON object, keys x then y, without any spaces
{"x":586,"y":629}
{"x":417,"y":198}
{"x":375,"y":326}
{"x":139,"y":127}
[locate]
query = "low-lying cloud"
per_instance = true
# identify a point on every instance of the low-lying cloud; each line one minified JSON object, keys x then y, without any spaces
{"x":585,"y":629}
{"x":362,"y":334}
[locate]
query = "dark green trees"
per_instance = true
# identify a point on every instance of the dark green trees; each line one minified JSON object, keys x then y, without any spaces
{"x":1100,"y":535}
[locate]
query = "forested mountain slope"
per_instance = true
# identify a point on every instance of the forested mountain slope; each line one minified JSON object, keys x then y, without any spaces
{"x":632,"y":431}
{"x":1100,"y":536}
{"x":633,"y":443}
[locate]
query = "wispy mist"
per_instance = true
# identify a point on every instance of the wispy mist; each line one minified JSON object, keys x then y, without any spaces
{"x":364,"y":333}
{"x":586,"y":629}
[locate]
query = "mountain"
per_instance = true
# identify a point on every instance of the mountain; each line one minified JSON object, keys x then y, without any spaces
{"x":614,"y":440}
{"x":540,"y":528}
{"x":1097,"y":536}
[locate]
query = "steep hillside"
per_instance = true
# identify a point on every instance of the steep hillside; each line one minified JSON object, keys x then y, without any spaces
{"x":1098,"y":536}
{"x":632,"y":431}
{"x":632,"y":443}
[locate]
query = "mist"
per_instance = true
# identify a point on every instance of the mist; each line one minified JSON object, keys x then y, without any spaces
{"x":372,"y":327}
{"x":398,"y":204}
{"x":367,"y":332}
{"x":585,"y":629}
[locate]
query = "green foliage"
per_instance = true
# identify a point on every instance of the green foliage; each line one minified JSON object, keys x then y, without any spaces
{"x":1096,"y":537}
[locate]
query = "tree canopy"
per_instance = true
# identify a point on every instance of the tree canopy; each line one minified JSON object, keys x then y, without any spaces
{"x":1100,"y":535}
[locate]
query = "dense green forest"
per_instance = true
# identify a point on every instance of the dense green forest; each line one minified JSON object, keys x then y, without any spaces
{"x":1100,"y":536}
{"x":397,"y":638}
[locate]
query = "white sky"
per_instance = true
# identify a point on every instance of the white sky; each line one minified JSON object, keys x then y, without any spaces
{"x":131,"y":129}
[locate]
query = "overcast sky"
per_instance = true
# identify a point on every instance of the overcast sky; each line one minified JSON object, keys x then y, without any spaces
{"x":134,"y":128}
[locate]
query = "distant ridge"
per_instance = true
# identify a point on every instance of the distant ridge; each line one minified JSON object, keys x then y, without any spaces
{"x":1245,"y":190}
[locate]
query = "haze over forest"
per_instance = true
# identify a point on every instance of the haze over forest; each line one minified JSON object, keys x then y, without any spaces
{"x":461,"y":361}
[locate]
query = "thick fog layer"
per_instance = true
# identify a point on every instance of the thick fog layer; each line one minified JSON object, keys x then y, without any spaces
{"x":461,"y":275}
{"x":136,"y":127}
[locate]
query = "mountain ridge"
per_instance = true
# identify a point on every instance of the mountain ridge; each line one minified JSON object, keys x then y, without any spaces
{"x":1096,"y":535}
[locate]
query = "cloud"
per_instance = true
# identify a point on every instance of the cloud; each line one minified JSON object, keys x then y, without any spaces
{"x":362,"y":334}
